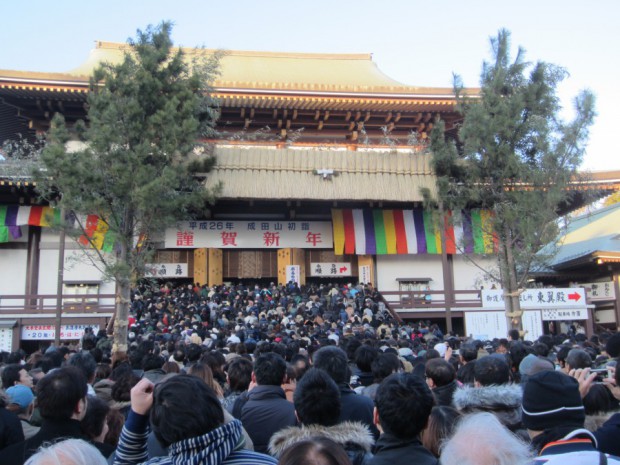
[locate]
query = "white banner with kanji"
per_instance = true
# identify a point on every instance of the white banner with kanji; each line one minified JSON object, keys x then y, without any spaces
{"x":48,"y":332}
{"x":330,"y":269}
{"x":538,"y":298}
{"x":292,"y":273}
{"x":166,"y":270}
{"x":250,"y":235}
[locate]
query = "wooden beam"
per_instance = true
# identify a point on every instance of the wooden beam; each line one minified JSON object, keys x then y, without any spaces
{"x":397,"y":119}
{"x":295,"y":114}
{"x":275,"y":113}
{"x":326,"y":116}
{"x":427,"y":117}
{"x":279,"y":123}
{"x":367,"y":117}
{"x":288,"y":124}
{"x":351,"y":125}
{"x":252,"y":113}
{"x":360,"y":125}
{"x":348,"y":116}
{"x":417,"y":118}
{"x":390,"y":127}
{"x":242,"y":113}
{"x":317,"y":115}
{"x":388,"y":117}
{"x":358,"y":115}
{"x":247,"y":123}
{"x":320,"y":126}
{"x":283,"y":133}
{"x":284,"y":114}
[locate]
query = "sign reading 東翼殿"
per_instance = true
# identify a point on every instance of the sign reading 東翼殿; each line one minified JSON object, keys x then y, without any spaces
{"x":330,"y":269}
{"x":250,"y":234}
{"x":48,"y":332}
{"x":550,"y":298}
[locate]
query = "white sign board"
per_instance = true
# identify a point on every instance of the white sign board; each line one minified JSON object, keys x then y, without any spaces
{"x":600,"y":291}
{"x":551,"y":298}
{"x":487,"y":326}
{"x":565,"y":314}
{"x":292,"y":273}
{"x":364,"y":274}
{"x":48,"y":332}
{"x":330,"y":269}
{"x":532,"y":325}
{"x":167,"y":270}
{"x":6,"y":339}
{"x":250,"y":235}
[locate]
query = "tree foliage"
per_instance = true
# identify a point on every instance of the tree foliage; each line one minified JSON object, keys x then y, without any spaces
{"x":140,"y":163}
{"x":513,"y":156}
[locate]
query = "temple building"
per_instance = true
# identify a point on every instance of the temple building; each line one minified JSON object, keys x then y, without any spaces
{"x":322,"y":159}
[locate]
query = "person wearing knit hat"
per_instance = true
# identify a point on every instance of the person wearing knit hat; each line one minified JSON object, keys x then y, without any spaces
{"x":553,"y":413}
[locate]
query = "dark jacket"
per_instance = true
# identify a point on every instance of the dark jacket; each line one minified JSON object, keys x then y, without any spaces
{"x":11,"y":431}
{"x":443,"y":394}
{"x":607,"y":436}
{"x":355,"y":407}
{"x":51,"y":431}
{"x":265,"y":412}
{"x":391,"y":450}
{"x":354,"y":437}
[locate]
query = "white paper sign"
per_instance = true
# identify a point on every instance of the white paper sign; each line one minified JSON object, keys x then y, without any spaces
{"x":565,"y":314}
{"x":292,"y":273}
{"x":600,"y":291}
{"x":532,"y":325}
{"x":572,"y":297}
{"x":48,"y":332}
{"x":6,"y":339}
{"x":330,"y":269}
{"x":250,"y":235}
{"x":167,"y":270}
{"x":364,"y":274}
{"x":486,"y":326}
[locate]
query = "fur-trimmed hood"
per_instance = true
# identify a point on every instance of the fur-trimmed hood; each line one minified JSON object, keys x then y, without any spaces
{"x":495,"y":397}
{"x":348,"y":434}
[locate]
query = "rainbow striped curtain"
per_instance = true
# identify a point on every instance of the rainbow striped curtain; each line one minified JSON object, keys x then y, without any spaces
{"x":12,"y":217}
{"x":417,"y":231}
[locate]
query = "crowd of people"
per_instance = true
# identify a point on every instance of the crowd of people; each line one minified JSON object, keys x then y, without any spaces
{"x":321,"y":374}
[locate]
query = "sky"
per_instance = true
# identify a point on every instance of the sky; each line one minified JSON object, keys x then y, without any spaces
{"x":419,"y":43}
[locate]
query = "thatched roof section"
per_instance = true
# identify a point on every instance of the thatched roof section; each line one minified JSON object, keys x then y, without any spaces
{"x":271,"y":173}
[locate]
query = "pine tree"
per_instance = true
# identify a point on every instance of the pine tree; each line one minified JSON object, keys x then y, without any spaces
{"x":140,"y":164}
{"x":514,"y":156}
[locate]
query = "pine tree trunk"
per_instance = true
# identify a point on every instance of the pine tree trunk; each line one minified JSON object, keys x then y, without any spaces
{"x":123,"y":295}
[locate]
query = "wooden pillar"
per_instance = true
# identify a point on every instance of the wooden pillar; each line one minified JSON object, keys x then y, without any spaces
{"x":299,"y":258}
{"x":200,"y":266}
{"x":215,"y":274}
{"x":288,"y":257}
{"x":369,"y":261}
{"x":616,"y":284}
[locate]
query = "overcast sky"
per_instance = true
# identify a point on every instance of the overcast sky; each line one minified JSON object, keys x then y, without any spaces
{"x":415,"y":42}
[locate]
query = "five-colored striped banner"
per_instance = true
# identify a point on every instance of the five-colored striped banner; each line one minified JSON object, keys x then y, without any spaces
{"x":416,"y":231}
{"x":12,"y":217}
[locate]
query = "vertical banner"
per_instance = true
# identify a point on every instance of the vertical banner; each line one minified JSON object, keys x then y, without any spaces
{"x":6,"y":339}
{"x":364,"y":274}
{"x":292,"y":273}
{"x":532,"y":325}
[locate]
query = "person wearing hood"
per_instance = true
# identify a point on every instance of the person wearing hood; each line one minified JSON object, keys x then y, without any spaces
{"x":317,"y":406}
{"x":492,"y":392}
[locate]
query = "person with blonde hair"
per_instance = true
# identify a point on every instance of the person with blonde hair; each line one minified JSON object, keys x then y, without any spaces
{"x":480,"y":439}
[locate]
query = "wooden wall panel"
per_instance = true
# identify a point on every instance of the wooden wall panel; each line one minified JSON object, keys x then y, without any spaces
{"x":215,"y":275}
{"x":200,"y":266}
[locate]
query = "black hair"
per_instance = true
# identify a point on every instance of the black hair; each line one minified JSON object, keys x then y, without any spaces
{"x":404,"y":403}
{"x":469,"y":352}
{"x":59,"y":392}
{"x":50,"y":360}
{"x":194,"y":351}
{"x":152,"y":362}
{"x":384,"y":365}
{"x":334,"y":361}
{"x":95,"y":418}
{"x":85,"y":362}
{"x":492,"y":369}
{"x":269,"y":369}
{"x":364,"y":356}
{"x":239,"y":374}
{"x":541,"y":349}
{"x":612,"y":347}
{"x":440,"y":371}
{"x":10,"y":375}
{"x":175,"y":403}
{"x":317,"y":399}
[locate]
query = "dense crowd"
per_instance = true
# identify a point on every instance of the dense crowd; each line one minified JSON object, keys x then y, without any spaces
{"x":319,"y":374}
